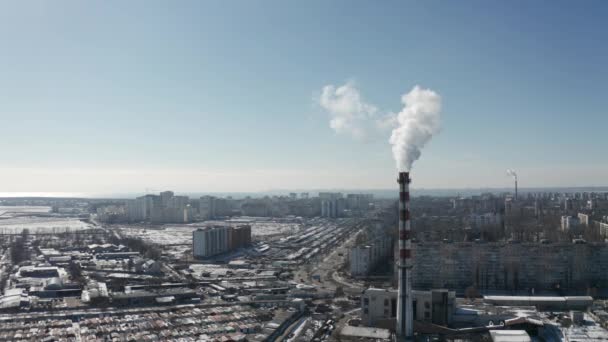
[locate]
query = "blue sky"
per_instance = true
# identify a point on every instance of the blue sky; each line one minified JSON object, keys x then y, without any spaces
{"x":221,"y":95}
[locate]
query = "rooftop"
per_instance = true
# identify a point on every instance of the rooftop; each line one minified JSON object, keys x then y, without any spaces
{"x":366,"y":332}
{"x":510,"y":336}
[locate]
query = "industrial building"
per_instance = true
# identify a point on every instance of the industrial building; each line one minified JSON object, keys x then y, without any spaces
{"x":379,"y":307}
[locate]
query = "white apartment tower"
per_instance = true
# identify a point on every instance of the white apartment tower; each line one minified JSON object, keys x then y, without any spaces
{"x":210,"y":241}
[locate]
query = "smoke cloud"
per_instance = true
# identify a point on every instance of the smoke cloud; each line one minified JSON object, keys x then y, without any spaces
{"x":417,"y":122}
{"x":412,"y":128}
{"x":512,"y":173}
{"x":349,"y":114}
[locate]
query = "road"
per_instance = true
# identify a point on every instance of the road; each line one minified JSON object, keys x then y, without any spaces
{"x":328,"y":266}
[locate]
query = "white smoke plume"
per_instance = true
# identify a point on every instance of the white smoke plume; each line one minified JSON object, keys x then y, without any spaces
{"x":412,"y":128}
{"x":512,"y":173}
{"x":348,"y":112}
{"x":417,"y":122}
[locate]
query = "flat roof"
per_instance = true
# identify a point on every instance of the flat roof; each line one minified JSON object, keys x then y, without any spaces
{"x":537,"y":298}
{"x":510,"y":336}
{"x":10,"y":302}
{"x":366,"y":332}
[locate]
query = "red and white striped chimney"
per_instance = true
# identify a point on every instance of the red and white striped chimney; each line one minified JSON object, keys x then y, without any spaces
{"x":405,"y":322}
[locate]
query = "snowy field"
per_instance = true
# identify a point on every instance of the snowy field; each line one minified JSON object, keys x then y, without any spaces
{"x":274,"y":228}
{"x":13,"y":219}
{"x":12,"y":211}
{"x":182,"y":234}
{"x":263,"y":227}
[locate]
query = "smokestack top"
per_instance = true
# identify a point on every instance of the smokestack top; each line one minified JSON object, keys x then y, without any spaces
{"x":404,"y":178}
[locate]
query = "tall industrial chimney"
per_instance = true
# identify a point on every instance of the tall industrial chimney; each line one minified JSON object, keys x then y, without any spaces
{"x":405,"y":321}
{"x":516,"y":189}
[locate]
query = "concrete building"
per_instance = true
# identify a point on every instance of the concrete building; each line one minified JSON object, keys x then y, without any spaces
{"x":518,"y":268}
{"x":583,"y":219}
{"x":210,"y":241}
{"x":365,"y":258}
{"x":332,"y":204}
{"x":256,"y":208}
{"x":538,"y":209}
{"x":360,"y":261}
{"x":484,"y":220}
{"x":151,"y":267}
{"x":358,"y":201}
{"x":163,"y":208}
{"x":165,"y":197}
{"x":603,"y":228}
{"x":178,"y":202}
{"x":332,"y":208}
{"x":207,"y":207}
{"x":379,"y":307}
{"x":151,"y":205}
{"x":240,"y":237}
{"x":136,"y":210}
{"x":328,"y":208}
{"x":112,"y":214}
{"x":175,"y":215}
{"x":569,"y":222}
{"x":513,"y":208}
{"x":568,"y":204}
{"x":330,"y":195}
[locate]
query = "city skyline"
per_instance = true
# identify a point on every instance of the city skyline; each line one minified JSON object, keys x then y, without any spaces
{"x":326,"y":171}
{"x":210,"y":98}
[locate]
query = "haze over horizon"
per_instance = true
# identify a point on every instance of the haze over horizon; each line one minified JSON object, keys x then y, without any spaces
{"x":212,"y":97}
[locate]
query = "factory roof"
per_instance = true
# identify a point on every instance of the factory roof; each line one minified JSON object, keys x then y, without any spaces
{"x":537,"y":298}
{"x":366,"y":332}
{"x":557,"y":302}
{"x":374,"y":289}
{"x":510,"y":336}
{"x":49,"y":252}
{"x":523,"y":319}
{"x":13,"y":298}
{"x":54,"y":283}
{"x":165,"y":300}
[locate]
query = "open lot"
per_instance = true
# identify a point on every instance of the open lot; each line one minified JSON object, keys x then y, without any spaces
{"x":37,"y":219}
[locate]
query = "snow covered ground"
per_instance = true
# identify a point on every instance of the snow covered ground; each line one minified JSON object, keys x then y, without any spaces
{"x":12,"y":211}
{"x":37,"y":219}
{"x":172,"y":234}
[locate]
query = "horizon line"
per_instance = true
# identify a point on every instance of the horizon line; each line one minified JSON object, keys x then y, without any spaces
{"x":129,"y":194}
